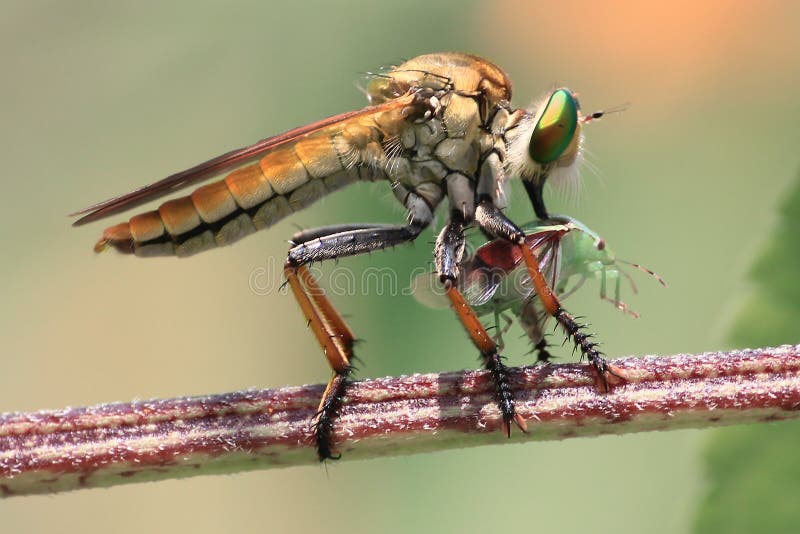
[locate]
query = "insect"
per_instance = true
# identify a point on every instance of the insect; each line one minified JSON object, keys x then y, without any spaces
{"x":569,"y":253}
{"x":438,"y":125}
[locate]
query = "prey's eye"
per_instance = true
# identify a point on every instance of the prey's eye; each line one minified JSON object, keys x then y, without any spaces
{"x":555,"y":128}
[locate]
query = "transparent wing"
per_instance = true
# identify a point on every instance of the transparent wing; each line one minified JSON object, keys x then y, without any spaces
{"x":218,"y":165}
{"x":480,"y":283}
{"x":496,"y":262}
{"x":428,"y":290}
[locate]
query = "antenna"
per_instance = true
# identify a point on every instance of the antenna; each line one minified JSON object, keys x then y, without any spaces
{"x":646,"y":270}
{"x":602,"y":113}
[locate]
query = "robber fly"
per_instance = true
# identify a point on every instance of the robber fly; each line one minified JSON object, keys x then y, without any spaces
{"x":439,"y":125}
{"x":494,"y":283}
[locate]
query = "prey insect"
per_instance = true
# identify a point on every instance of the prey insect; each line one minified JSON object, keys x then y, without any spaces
{"x":438,"y":126}
{"x":496,"y":284}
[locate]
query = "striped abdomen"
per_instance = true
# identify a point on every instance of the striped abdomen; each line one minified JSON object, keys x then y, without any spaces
{"x":288,"y":178}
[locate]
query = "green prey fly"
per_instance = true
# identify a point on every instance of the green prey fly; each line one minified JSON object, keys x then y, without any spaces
{"x":569,"y":254}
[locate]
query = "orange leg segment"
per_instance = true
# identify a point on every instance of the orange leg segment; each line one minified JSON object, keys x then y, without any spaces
{"x":332,"y":333}
{"x":492,"y":360}
{"x":546,"y":295}
{"x":606,"y":374}
{"x":470,"y":321}
{"x":336,"y":340}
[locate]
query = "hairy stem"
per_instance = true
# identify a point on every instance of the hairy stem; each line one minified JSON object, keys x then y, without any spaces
{"x":109,"y":444}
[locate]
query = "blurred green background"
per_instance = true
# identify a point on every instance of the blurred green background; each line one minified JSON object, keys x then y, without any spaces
{"x":98,"y":98}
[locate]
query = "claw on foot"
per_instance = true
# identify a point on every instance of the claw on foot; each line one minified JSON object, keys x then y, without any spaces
{"x":608,"y":376}
{"x":519,"y":421}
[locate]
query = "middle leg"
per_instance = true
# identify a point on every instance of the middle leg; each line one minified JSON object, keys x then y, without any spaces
{"x":448,"y":254}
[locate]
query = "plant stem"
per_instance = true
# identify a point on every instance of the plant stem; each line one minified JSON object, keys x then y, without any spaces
{"x":110,"y":444}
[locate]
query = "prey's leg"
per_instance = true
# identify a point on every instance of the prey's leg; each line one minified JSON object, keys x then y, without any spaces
{"x":494,"y":222}
{"x":501,"y":329}
{"x":331,"y":331}
{"x":532,"y":322}
{"x":448,"y":254}
{"x":617,"y":300}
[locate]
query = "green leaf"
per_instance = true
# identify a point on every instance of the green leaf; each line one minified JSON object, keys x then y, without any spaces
{"x":754,"y":476}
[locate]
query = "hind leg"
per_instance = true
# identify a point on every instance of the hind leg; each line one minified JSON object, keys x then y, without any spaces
{"x":326,"y":323}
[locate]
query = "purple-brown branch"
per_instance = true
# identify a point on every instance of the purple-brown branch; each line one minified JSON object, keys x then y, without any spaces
{"x":109,"y":444}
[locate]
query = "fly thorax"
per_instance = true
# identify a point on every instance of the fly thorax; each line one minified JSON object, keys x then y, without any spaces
{"x":431,"y":158}
{"x":445,"y":155}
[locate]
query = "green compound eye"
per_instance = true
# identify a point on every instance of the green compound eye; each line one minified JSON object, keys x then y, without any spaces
{"x":556,"y":127}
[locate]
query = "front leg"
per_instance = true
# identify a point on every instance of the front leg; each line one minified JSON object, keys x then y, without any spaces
{"x":449,"y":252}
{"x":493,"y":221}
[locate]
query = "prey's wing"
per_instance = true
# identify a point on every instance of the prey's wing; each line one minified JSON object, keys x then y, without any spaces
{"x":478,"y":294}
{"x":485,"y":271}
{"x":428,"y":290}
{"x":493,"y":263}
{"x":220,"y":164}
